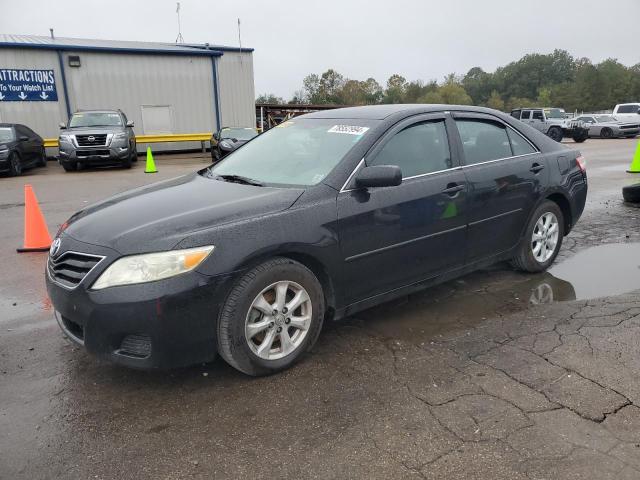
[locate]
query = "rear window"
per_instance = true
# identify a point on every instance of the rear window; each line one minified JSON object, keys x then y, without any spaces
{"x":483,"y":141}
{"x":628,"y":109}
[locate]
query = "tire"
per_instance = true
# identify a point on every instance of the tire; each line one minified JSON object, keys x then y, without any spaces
{"x":127,"y":162}
{"x":606,"y":133}
{"x":134,"y":155}
{"x":43,"y":158}
{"x":258,"y":286}
{"x":555,"y":133}
{"x":15,"y":165}
{"x":525,"y":258}
{"x":69,"y":166}
{"x":580,"y":137}
{"x":631,"y":193}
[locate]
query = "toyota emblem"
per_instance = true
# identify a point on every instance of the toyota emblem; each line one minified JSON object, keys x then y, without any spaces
{"x":55,"y":247}
{"x":91,"y":138}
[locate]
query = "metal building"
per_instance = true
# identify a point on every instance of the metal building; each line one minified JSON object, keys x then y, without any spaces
{"x":163,"y":88}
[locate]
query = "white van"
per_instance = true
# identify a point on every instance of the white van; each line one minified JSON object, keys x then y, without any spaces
{"x":627,"y":112}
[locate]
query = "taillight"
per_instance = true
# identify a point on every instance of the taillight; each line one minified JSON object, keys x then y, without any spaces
{"x":582,"y":163}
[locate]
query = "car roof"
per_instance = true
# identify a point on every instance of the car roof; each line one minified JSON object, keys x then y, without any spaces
{"x":380,"y":112}
{"x":96,"y":111}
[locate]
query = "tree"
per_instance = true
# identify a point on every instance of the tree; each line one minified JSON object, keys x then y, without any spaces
{"x":453,"y":93}
{"x":495,"y":101}
{"x":311,"y":87}
{"x":431,"y":97}
{"x":396,"y":85}
{"x":330,"y":87}
{"x":544,"y":97}
{"x":269,"y":98}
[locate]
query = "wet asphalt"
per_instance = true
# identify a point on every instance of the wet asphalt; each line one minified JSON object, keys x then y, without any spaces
{"x":494,"y":375}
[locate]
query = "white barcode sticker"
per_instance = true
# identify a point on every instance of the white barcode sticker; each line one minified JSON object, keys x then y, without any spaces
{"x":348,"y":129}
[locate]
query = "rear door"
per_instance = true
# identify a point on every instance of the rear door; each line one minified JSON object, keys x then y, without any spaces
{"x":29,"y":145}
{"x":537,"y":121}
{"x":395,"y":236}
{"x":506,"y":175}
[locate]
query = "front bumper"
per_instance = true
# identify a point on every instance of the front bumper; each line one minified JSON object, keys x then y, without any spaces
{"x":164,"y":324}
{"x":94,"y":155}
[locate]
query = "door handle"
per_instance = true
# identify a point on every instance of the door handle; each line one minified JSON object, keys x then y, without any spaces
{"x":453,"y":189}
{"x":536,"y":167}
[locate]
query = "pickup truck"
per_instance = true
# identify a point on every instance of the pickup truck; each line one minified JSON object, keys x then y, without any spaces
{"x":627,"y":112}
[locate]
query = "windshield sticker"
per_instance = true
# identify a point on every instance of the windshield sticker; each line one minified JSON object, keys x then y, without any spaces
{"x":348,"y":129}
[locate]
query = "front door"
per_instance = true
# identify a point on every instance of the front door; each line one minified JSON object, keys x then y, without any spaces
{"x":506,"y":176}
{"x":395,"y":236}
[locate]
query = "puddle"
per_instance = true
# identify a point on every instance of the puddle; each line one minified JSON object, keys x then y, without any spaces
{"x":595,"y":272}
{"x":602,"y":271}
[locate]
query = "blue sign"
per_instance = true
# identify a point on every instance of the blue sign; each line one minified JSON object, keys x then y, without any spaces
{"x":27,"y":85}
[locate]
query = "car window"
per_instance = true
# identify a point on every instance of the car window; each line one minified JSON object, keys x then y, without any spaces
{"x":519,"y":145}
{"x":515,"y":114}
{"x":6,"y":134}
{"x":302,"y":151}
{"x":537,"y":115}
{"x":525,"y":115}
{"x":95,"y":119}
{"x":238,"y":133}
{"x":628,"y":109}
{"x":483,"y":141}
{"x":418,"y":149}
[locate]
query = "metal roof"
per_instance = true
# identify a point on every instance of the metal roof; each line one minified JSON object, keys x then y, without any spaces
{"x":80,"y":44}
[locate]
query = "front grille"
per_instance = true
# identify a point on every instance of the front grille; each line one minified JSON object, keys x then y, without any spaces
{"x":97,"y":140}
{"x":137,"y":345}
{"x":70,"y":268}
{"x":624,"y":127}
{"x":92,"y":153}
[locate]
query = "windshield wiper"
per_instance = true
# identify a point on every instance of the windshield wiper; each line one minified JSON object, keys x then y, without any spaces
{"x":240,"y":179}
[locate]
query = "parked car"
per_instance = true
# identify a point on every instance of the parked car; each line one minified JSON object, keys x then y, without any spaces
{"x":553,"y":122}
{"x":97,"y":137}
{"x":627,"y":112}
{"x":20,"y":148}
{"x":228,"y":139}
{"x":608,"y":126}
{"x":328,"y":214}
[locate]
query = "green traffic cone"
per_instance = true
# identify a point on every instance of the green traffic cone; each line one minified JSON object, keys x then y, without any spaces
{"x":635,"y":163}
{"x":151,"y":165}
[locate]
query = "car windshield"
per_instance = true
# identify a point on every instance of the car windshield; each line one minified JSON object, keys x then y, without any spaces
{"x":554,"y":113}
{"x":96,"y":119}
{"x":238,"y":133}
{"x":298,"y":152}
{"x":6,"y":134}
{"x":605,"y":118}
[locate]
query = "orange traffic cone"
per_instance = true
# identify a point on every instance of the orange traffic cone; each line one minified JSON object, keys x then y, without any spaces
{"x":36,"y":233}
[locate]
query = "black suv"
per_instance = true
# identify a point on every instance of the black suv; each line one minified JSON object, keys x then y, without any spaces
{"x":328,"y":214}
{"x":97,"y":137}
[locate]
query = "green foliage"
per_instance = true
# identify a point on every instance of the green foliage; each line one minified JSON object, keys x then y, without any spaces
{"x":556,"y":79}
{"x":269,"y":98}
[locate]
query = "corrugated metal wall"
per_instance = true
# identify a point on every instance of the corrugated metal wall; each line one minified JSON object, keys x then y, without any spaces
{"x":43,"y":117}
{"x":130,"y":81}
{"x":237,"y":92}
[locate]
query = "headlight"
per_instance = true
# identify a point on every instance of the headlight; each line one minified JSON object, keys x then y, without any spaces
{"x":120,"y":136}
{"x":66,"y":138}
{"x":151,"y":266}
{"x":225,"y":144}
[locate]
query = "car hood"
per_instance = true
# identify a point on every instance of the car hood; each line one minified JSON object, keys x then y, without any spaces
{"x":157,"y":217}
{"x":92,"y":130}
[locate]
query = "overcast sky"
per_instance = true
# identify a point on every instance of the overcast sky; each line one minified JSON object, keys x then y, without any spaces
{"x":359,"y":38}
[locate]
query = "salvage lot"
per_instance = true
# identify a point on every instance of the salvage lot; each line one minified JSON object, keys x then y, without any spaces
{"x":463,"y":380}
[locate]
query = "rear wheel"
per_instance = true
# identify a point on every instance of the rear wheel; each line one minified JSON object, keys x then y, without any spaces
{"x":606,"y":133}
{"x":15,"y":165}
{"x":631,"y":193}
{"x":542,"y":239}
{"x":272,"y":316}
{"x":555,"y":133}
{"x":581,"y":136}
{"x":69,"y":166}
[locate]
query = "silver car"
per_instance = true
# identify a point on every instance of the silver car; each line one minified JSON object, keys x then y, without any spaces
{"x":608,"y":126}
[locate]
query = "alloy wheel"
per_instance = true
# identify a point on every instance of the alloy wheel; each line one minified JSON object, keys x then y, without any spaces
{"x":278,"y":320}
{"x":545,"y":237}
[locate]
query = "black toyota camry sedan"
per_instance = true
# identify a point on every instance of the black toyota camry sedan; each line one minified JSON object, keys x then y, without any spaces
{"x":325,"y":215}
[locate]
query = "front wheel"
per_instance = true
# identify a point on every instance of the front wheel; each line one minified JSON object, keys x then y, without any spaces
{"x":15,"y":165}
{"x":69,"y":166}
{"x":581,"y":136}
{"x":42,"y":161}
{"x":273,"y":315}
{"x":542,"y":239}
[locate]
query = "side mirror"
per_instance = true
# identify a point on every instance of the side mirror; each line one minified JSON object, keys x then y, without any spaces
{"x":62,"y":125}
{"x":23,"y":138}
{"x":379,"y":176}
{"x":130,"y":123}
{"x":216,"y":136}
